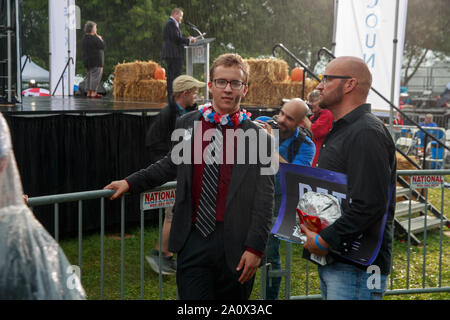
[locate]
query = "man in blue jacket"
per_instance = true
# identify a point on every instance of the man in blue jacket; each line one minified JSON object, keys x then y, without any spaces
{"x":173,"y":47}
{"x":295,"y":146}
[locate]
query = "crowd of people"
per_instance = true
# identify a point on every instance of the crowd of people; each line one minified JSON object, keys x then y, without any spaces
{"x":220,"y":223}
{"x":227,"y":193}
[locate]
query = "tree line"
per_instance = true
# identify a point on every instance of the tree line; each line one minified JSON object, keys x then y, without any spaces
{"x":132,"y":29}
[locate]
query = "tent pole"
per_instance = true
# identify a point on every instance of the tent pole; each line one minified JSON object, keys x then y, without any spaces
{"x":8,"y":32}
{"x":68,"y":19}
{"x":50,"y":80}
{"x":394,"y":63}
{"x":18,"y":54}
{"x":333,"y":44}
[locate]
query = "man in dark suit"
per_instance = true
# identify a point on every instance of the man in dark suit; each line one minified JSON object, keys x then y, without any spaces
{"x":173,"y":47}
{"x":221,"y":224}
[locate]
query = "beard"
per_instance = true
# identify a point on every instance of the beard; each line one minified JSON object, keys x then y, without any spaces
{"x":332,"y":98}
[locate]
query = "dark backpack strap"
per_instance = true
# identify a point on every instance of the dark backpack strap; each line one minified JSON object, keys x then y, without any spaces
{"x":295,"y":146}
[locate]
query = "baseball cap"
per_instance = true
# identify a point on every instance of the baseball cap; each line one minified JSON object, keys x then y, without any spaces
{"x":185,"y":82}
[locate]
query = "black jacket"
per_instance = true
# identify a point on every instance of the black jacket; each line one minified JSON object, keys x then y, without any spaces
{"x":173,"y":41}
{"x":157,"y":139}
{"x":360,"y":146}
{"x":249,"y":205}
{"x":93,"y":52}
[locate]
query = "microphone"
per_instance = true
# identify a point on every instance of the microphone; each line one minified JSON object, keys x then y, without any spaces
{"x":328,"y":52}
{"x":201,"y":35}
{"x":190,"y":24}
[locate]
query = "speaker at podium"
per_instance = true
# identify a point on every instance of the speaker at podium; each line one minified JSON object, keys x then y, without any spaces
{"x":198,"y":53}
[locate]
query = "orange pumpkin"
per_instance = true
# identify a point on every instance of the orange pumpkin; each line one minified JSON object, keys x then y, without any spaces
{"x":297,"y":74}
{"x":160,"y":73}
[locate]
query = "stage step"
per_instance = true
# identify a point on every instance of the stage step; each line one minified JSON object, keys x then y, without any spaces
{"x":402,"y":208}
{"x":418,"y":224}
{"x":400,"y":191}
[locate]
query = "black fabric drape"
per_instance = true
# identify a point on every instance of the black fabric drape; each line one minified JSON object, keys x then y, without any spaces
{"x":66,"y":153}
{"x":71,"y":153}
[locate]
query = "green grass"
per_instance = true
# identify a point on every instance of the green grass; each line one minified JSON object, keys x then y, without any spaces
{"x":112,"y":266}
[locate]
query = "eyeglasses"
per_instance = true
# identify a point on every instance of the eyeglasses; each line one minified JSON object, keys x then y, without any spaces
{"x":327,"y":77}
{"x":234,"y":84}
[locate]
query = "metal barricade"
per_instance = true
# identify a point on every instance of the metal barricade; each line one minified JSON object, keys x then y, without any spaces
{"x":435,"y":272}
{"x":442,"y":283}
{"x":55,"y":200}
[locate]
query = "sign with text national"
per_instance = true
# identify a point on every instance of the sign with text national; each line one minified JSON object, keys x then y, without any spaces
{"x":158,"y":199}
{"x":366,"y":29}
{"x":426,"y":181}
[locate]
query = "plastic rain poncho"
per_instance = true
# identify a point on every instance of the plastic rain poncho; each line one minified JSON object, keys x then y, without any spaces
{"x":32,"y":264}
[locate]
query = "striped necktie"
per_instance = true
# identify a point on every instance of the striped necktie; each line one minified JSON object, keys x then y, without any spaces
{"x":206,"y":215}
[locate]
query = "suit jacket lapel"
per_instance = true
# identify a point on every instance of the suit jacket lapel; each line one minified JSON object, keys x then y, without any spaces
{"x":189,"y":124}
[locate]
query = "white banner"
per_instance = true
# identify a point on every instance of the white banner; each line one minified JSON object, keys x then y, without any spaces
{"x":62,"y":44}
{"x":365,"y":29}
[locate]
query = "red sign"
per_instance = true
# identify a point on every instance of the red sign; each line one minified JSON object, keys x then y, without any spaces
{"x":158,"y":199}
{"x":426,"y":181}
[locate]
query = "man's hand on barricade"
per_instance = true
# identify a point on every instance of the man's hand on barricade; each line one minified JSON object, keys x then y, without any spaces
{"x":119,"y":186}
{"x":311,"y":244}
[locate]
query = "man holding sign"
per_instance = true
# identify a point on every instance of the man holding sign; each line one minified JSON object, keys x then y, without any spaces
{"x":360,"y":146}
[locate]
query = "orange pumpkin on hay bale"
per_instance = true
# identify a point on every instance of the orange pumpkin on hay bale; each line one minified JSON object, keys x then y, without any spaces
{"x":160,"y":74}
{"x":140,"y":80}
{"x":297,"y":74}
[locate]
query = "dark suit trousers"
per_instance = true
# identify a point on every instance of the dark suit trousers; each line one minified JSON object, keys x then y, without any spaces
{"x":202,"y":272}
{"x":174,"y":69}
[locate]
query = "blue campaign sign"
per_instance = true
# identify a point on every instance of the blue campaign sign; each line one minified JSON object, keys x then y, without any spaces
{"x":295,"y":181}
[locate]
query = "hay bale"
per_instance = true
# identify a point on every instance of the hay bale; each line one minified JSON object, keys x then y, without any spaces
{"x":267,"y":70}
{"x":152,"y":90}
{"x":118,"y":89}
{"x":134,"y":81}
{"x":130,"y":90}
{"x":310,"y":85}
{"x":135,"y":71}
{"x":404,"y":164}
{"x":272,"y":94}
{"x":149,"y":90}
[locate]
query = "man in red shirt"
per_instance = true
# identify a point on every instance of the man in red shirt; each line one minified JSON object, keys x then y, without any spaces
{"x":321,"y":122}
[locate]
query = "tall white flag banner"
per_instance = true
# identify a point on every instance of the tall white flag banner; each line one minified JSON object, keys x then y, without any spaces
{"x":366,"y":29}
{"x":62,"y":44}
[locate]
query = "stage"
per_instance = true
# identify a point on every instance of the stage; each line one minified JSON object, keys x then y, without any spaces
{"x":75,"y":104}
{"x":73,"y":144}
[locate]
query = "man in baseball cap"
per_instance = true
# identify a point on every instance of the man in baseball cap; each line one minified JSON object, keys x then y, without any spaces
{"x":186,"y":83}
{"x":158,"y":142}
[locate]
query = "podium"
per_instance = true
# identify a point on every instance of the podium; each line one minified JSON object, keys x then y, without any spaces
{"x":198,"y":53}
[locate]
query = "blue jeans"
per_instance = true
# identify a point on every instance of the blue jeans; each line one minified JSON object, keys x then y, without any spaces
{"x":341,"y":281}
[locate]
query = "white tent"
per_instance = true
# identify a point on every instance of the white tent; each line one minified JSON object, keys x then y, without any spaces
{"x":33,"y":72}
